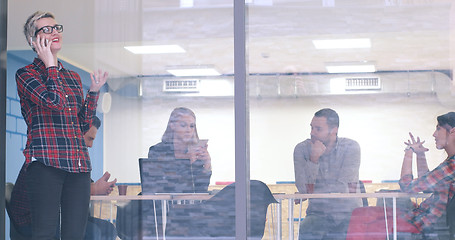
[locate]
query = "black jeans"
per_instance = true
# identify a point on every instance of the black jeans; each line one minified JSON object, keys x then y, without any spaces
{"x":52,"y":190}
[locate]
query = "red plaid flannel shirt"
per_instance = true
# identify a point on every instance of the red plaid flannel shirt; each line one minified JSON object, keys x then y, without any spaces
{"x":440,"y":182}
{"x":53,"y":106}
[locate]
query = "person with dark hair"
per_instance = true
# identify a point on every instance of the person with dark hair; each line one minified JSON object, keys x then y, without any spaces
{"x":426,"y":220}
{"x":439,"y":181}
{"x":57,"y":115}
{"x":326,"y":163}
{"x":97,"y":229}
{"x":96,"y":122}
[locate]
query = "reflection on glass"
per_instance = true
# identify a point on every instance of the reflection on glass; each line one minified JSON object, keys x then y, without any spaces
{"x":409,"y":83}
{"x":409,"y":43}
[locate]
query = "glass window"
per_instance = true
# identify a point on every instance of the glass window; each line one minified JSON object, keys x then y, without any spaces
{"x":384,"y":67}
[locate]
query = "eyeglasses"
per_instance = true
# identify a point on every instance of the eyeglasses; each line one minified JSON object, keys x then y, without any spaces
{"x":50,"y":29}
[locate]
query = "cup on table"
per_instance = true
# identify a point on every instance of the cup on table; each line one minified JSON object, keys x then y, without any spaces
{"x":352,"y":187}
{"x":310,"y":187}
{"x":122,"y":189}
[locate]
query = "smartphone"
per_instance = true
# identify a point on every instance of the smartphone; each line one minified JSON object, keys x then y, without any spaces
{"x":202,"y":143}
{"x":33,"y":39}
{"x":197,"y":146}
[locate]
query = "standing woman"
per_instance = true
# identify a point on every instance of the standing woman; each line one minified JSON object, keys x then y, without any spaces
{"x":53,"y":106}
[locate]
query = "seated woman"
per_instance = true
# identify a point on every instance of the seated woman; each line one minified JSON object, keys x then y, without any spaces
{"x":429,"y":216}
{"x":180,"y":144}
{"x":180,"y":141}
{"x":431,"y":213}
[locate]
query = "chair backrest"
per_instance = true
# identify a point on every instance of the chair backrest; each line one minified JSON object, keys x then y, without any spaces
{"x":216,"y":216}
{"x":362,"y":190}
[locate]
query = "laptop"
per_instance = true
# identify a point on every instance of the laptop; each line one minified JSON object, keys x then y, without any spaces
{"x":165,"y":176}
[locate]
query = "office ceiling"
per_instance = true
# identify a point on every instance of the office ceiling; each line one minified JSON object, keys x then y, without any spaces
{"x":406,"y":35}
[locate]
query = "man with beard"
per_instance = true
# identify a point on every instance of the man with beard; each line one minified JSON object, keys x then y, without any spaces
{"x":327,"y":163}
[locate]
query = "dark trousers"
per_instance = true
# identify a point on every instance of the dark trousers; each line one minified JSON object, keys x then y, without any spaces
{"x":321,"y":227}
{"x":52,"y":190}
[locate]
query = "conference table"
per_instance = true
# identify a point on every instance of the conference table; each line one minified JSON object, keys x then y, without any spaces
{"x":164,"y":200}
{"x":113,"y":200}
{"x":378,"y":195}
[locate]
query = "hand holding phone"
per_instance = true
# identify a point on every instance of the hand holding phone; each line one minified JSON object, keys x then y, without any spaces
{"x":198,"y":150}
{"x":42,"y":47}
{"x":33,"y":39}
{"x":202,"y":143}
{"x":195,"y":148}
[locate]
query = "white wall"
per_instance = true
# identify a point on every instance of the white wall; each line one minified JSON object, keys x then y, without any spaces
{"x":379,"y":122}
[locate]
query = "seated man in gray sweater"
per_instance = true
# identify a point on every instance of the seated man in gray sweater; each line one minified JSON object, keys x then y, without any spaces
{"x":327,"y":163}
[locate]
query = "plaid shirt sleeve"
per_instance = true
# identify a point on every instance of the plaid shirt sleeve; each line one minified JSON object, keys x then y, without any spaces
{"x":439,"y":181}
{"x":44,"y":90}
{"x":56,"y":114}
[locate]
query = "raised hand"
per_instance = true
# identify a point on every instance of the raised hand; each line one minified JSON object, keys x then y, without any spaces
{"x":99,"y":78}
{"x":416,"y":145}
{"x":200,"y":153}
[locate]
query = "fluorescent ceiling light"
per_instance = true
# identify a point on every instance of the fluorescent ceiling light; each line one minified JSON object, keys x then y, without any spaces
{"x":193,"y":71}
{"x":342,"y":43}
{"x":263,"y":2}
{"x":328,"y":3}
{"x":155,"y":49}
{"x":351,"y":68}
{"x":186,"y":3}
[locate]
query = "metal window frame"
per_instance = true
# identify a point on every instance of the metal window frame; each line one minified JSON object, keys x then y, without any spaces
{"x":241,"y":109}
{"x":3,"y":45}
{"x":242,"y":174}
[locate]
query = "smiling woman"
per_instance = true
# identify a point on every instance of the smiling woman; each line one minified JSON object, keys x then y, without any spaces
{"x":283,"y":67}
{"x":57,"y":165}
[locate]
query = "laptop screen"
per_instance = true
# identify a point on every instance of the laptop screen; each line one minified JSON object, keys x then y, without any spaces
{"x":166,"y":176}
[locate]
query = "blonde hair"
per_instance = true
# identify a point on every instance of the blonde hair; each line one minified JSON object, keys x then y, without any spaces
{"x":168,"y":135}
{"x":30,"y":27}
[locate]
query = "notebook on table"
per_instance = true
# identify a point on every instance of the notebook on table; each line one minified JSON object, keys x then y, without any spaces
{"x":165,"y":176}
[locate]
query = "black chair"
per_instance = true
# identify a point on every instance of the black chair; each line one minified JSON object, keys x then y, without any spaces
{"x":215,"y":218}
{"x":212,"y":218}
{"x":129,"y":220}
{"x":362,"y":190}
{"x":14,"y":234}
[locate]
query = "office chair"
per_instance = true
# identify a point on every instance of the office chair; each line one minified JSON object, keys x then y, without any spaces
{"x":215,"y":218}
